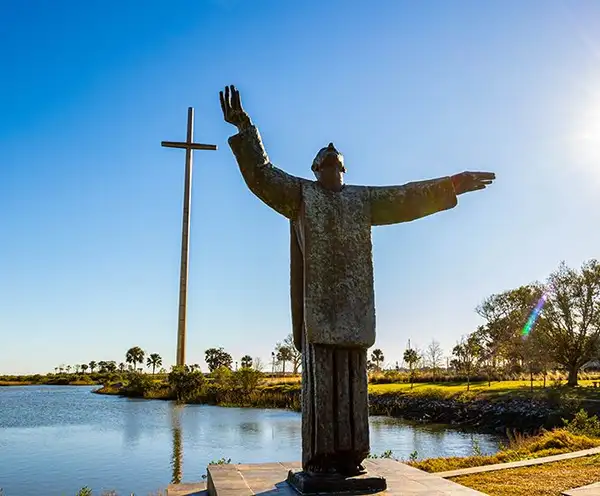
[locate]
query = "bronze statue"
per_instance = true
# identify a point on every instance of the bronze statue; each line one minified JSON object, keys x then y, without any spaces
{"x":333,"y":311}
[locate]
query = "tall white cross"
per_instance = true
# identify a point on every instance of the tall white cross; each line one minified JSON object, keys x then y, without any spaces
{"x":188,"y":145}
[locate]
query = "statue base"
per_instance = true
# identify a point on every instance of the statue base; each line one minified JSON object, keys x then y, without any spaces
{"x":286,"y":479}
{"x":306,"y":483}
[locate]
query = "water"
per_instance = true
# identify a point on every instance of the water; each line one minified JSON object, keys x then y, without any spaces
{"x":55,"y":440}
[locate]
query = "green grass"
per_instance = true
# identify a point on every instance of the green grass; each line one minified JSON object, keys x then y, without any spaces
{"x":496,"y":389}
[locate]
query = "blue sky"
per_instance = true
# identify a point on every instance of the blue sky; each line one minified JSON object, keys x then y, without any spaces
{"x":90,"y":204}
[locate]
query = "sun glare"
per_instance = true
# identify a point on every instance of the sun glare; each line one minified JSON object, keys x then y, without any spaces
{"x":586,"y":139}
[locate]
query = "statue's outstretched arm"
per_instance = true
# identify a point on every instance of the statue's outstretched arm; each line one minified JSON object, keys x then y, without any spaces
{"x":279,"y":190}
{"x":394,"y":204}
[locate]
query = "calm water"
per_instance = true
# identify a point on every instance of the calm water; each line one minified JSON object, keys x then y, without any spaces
{"x":55,"y":440}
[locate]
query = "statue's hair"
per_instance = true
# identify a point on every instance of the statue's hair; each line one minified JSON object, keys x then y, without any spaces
{"x":323,"y":152}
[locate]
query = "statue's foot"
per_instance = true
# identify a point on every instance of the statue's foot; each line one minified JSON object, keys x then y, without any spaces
{"x":320,"y":470}
{"x":349,"y":469}
{"x":342,"y":466}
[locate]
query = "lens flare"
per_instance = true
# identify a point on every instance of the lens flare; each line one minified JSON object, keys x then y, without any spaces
{"x":534,"y":315}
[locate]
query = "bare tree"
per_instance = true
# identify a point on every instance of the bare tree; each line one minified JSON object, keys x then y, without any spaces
{"x":434,"y":356}
{"x":296,"y":356}
{"x":258,"y":364}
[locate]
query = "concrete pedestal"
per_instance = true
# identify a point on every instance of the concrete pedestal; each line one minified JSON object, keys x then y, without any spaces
{"x":305,"y":483}
{"x":271,"y":479}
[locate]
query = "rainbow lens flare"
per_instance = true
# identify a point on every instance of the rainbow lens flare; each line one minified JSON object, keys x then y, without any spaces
{"x":534,"y":315}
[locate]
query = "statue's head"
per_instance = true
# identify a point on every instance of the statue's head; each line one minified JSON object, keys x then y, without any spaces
{"x":328,"y":167}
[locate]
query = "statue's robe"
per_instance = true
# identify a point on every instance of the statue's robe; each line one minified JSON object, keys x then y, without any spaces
{"x":332,"y":294}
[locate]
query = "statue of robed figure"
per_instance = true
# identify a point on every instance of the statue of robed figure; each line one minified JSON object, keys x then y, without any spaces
{"x":332,"y":295}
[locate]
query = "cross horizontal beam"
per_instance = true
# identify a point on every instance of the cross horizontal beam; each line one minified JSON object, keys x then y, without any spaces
{"x":191,"y":146}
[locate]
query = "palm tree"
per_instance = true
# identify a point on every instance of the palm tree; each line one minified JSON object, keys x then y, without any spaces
{"x":68,"y":369}
{"x":154,"y":360}
{"x":377,"y":357}
{"x":122,"y":366}
{"x":134,"y":356}
{"x":284,"y":354}
{"x":84,"y":367}
{"x":412,"y":358}
{"x":246,"y":362}
{"x":92,"y":366}
{"x":77,"y":366}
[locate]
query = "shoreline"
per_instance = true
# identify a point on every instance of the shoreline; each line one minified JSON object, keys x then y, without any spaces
{"x":482,"y":409}
{"x":517,"y":411}
{"x":33,"y":383}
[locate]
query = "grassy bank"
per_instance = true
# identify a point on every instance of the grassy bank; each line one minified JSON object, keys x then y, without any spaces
{"x":481,"y":390}
{"x":508,"y":404}
{"x":547,"y":443}
{"x":56,"y":379}
{"x":286,"y":395}
{"x":448,"y":390}
{"x":580,"y":433}
{"x":549,"y":479}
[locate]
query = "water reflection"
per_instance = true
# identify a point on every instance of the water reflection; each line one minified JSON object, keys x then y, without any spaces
{"x":133,"y":428}
{"x":177,"y":452}
{"x":250,"y":427}
{"x":138,"y":445}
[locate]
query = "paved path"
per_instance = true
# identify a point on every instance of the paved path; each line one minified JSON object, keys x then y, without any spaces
{"x":521,"y":463}
{"x":591,"y":490}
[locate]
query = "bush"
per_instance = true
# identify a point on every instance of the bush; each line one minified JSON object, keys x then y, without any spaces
{"x":583,"y":424}
{"x":185,"y":383}
{"x":222,"y":376}
{"x":140,"y":385}
{"x":246,"y":380}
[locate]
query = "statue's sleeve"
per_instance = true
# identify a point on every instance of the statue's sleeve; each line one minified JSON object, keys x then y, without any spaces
{"x":394,"y":204}
{"x":279,"y":190}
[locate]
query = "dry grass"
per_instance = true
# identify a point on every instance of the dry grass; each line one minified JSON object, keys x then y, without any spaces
{"x":288,"y":379}
{"x":549,"y":479}
{"x":520,"y":448}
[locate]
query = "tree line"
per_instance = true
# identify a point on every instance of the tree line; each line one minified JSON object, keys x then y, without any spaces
{"x":134,"y":357}
{"x":541,"y":326}
{"x":535,"y":328}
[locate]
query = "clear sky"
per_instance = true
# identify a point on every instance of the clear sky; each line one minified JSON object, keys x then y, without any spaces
{"x":90,"y":204}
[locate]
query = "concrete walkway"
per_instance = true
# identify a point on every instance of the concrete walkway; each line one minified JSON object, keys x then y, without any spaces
{"x":591,"y":490}
{"x":521,"y":463}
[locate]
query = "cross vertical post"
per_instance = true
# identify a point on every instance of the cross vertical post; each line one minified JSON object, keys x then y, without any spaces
{"x":188,"y":145}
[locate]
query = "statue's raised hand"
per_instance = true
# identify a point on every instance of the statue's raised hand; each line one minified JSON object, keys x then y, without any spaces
{"x":471,"y":181}
{"x":231,"y":105}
